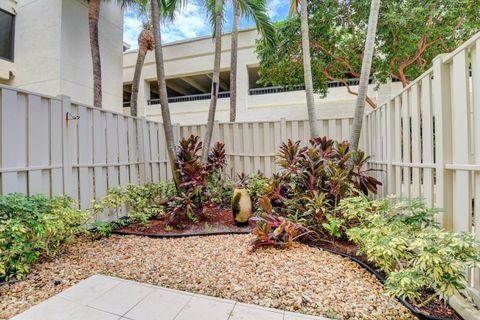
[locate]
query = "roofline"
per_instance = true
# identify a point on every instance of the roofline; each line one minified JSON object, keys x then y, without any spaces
{"x":201,"y":38}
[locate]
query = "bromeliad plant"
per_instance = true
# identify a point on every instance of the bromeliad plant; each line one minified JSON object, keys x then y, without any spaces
{"x":313,"y":179}
{"x":422,"y":262}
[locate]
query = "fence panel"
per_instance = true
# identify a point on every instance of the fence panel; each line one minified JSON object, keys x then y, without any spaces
{"x":252,"y":146}
{"x":436,"y":137}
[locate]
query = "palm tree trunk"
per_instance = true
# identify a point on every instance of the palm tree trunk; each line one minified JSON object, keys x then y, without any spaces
{"x":162,"y":89}
{"x":142,"y":52}
{"x":307,"y":70}
{"x":233,"y":61}
{"x":215,"y":79}
{"x":365,"y":75}
{"x":93,"y":17}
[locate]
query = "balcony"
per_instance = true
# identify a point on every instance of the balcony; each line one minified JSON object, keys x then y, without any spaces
{"x":193,"y":97}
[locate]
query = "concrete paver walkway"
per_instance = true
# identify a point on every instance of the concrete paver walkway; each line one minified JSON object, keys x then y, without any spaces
{"x":106,"y":298}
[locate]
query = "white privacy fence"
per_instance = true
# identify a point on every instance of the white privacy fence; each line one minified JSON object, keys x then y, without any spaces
{"x":252,"y":146}
{"x":427,"y":139}
{"x":53,"y":146}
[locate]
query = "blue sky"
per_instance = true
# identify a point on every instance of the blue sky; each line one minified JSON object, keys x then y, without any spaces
{"x":192,"y":22}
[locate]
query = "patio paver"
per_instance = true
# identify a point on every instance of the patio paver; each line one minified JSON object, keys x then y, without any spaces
{"x":106,"y":298}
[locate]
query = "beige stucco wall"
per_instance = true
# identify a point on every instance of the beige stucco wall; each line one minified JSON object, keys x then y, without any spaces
{"x":52,"y":50}
{"x":7,"y":67}
{"x":196,"y":57}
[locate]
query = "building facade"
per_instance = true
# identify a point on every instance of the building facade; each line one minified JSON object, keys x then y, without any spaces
{"x":188,"y":67}
{"x":45,"y":47}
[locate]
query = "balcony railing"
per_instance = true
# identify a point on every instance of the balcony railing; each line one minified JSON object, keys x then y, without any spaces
{"x":193,"y":97}
{"x":253,"y":92}
{"x":279,"y":89}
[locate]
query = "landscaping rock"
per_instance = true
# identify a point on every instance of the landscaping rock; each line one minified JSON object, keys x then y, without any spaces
{"x":300,"y":279}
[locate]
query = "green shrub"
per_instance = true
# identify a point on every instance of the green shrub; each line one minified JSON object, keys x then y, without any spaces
{"x":401,"y":238}
{"x":219,"y":189}
{"x":34,"y":226}
{"x":141,"y":202}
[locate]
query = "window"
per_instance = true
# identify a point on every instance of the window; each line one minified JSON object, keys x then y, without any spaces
{"x":7,"y":26}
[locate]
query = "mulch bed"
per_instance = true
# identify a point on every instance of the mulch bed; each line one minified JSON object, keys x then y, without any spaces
{"x":212,"y":221}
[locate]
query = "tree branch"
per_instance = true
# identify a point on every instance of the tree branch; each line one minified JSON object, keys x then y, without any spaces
{"x":347,"y":86}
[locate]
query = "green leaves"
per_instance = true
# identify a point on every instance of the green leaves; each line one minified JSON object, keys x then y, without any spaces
{"x":141,"y":202}
{"x":34,"y":226}
{"x":410,"y":34}
{"x":400,"y":237}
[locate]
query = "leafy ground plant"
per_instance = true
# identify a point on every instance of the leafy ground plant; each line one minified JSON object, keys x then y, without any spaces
{"x":422,"y":262}
{"x":273,"y":230}
{"x":34,"y":226}
{"x":141,"y":202}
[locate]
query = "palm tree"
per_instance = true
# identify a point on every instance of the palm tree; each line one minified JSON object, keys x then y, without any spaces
{"x":256,"y":10}
{"x":93,"y":17}
{"x":145,"y":44}
{"x":307,"y":65}
{"x":217,"y":18}
{"x":233,"y":60}
{"x":365,"y":74}
{"x":162,"y":85}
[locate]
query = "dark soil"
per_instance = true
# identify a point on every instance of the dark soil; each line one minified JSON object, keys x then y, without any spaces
{"x":211,"y":221}
{"x":435,"y":308}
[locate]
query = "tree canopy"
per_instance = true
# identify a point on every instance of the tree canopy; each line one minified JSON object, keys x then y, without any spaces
{"x":410,"y":34}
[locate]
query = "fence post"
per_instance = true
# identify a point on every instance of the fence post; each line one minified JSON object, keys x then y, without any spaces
{"x":144,"y":152}
{"x":67,"y":144}
{"x":216,"y":132}
{"x":283,"y":130}
{"x":389,"y":144}
{"x":442,"y":108}
{"x":176,"y":134}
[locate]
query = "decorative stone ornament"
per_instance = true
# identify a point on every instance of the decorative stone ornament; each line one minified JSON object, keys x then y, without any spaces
{"x":241,"y":207}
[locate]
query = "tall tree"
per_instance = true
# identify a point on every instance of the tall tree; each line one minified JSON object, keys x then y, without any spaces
{"x":233,"y":60}
{"x":337,"y":34}
{"x":218,"y":18}
{"x":162,"y":87}
{"x":257,"y":11}
{"x":145,"y":43}
{"x":365,"y":74}
{"x":307,"y":65}
{"x":93,"y":17}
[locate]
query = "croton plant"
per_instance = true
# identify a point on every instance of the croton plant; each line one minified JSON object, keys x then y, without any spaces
{"x":313,"y":179}
{"x":195,"y":176}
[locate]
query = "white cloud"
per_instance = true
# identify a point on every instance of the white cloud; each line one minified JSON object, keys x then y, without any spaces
{"x":274,"y":7}
{"x":191,"y":22}
{"x":132,"y":26}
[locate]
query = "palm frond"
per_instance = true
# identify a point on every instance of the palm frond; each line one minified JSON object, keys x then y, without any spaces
{"x":257,"y":11}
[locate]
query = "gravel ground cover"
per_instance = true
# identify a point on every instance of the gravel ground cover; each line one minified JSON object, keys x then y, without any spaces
{"x":300,"y":279}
